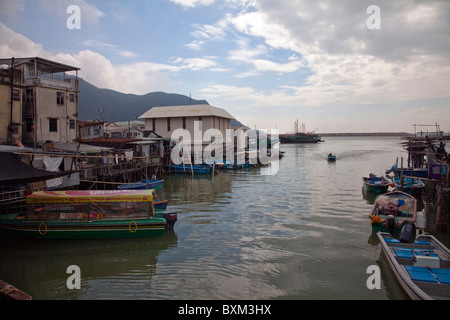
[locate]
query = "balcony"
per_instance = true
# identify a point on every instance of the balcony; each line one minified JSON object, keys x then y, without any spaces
{"x":50,"y":80}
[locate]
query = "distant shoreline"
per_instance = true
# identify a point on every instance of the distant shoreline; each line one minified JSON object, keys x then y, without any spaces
{"x":365,"y":134}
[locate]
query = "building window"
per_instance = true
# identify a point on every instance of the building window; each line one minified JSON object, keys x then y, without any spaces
{"x":200,"y":123}
{"x":16,"y":94}
{"x":71,"y":124}
{"x":72,"y":97}
{"x":60,"y":98}
{"x":168,"y":124}
{"x":29,"y":126}
{"x":154,"y":124}
{"x":184,"y":122}
{"x":53,"y":125}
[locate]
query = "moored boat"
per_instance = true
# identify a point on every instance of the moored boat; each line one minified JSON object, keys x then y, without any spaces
{"x":187,"y":168}
{"x":409,"y":185}
{"x":142,"y":185}
{"x":392,"y":211}
{"x":422,"y":268}
{"x":76,"y":214}
{"x":376,"y":184}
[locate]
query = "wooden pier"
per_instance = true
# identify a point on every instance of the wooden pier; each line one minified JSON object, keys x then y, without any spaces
{"x":430,"y":150}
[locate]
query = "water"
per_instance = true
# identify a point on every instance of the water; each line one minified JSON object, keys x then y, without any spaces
{"x":303,"y":233}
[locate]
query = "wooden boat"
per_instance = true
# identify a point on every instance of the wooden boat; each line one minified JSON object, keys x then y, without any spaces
{"x":161,"y":205}
{"x":187,"y":168}
{"x":422,"y":268}
{"x":392,"y":211}
{"x":89,"y":214}
{"x":410,"y":172}
{"x":410,"y":185}
{"x":142,"y":185}
{"x":376,"y":184}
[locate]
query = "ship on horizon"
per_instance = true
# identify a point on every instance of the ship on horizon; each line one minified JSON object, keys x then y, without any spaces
{"x":300,"y":136}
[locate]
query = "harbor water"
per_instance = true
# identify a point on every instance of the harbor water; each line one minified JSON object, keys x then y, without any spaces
{"x":302,"y":233}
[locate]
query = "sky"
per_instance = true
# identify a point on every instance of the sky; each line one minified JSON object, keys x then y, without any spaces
{"x":334,"y":65}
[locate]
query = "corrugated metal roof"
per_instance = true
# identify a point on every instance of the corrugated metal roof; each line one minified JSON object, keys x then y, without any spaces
{"x":199,"y":110}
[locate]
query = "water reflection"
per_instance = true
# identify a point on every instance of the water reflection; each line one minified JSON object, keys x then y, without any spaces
{"x":109,"y":268}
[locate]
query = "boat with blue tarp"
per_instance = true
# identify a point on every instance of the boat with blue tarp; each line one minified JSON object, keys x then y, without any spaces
{"x":376,"y":184}
{"x":422,"y":267}
{"x":409,"y":185}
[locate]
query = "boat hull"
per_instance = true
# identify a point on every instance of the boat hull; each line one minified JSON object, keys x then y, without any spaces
{"x":410,"y":185}
{"x":142,"y":185}
{"x":83,"y":229}
{"x":419,"y":282}
{"x":376,"y":186}
{"x":187,"y":169}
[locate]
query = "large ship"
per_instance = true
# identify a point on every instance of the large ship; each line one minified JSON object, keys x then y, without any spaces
{"x":300,"y":136}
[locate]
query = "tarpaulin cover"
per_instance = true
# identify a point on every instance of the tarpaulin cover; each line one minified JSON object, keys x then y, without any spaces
{"x":13,"y":170}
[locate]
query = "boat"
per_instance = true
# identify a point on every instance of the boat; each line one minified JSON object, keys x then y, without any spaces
{"x":331,"y":157}
{"x":88,"y":214}
{"x":376,"y":184}
{"x":300,"y":136}
{"x":392,"y":211}
{"x":141,"y":185}
{"x":422,"y":268}
{"x":161,"y":205}
{"x":410,"y":172}
{"x":409,"y":185}
{"x":187,"y":168}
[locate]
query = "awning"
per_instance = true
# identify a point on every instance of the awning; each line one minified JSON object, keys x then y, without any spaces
{"x":13,"y":170}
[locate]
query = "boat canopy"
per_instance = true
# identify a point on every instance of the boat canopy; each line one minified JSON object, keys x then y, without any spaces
{"x":85,"y":196}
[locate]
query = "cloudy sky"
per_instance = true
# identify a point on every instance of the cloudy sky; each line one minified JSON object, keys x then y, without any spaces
{"x":332,"y":64}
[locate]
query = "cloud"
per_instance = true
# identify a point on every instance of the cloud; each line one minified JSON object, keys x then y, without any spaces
{"x":90,"y":13}
{"x":192,"y":3}
{"x":11,"y":7}
{"x":408,"y":59}
{"x":17,"y":45}
{"x":137,"y":77}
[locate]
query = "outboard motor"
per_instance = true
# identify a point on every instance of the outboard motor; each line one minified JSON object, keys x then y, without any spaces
{"x":390,"y":223}
{"x":171,"y":218}
{"x":407,"y":233}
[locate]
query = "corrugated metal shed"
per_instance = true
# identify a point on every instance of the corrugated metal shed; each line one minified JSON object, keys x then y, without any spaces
{"x":199,"y":110}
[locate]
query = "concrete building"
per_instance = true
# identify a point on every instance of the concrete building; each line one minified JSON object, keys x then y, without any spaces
{"x":38,"y":101}
{"x":164,"y":120}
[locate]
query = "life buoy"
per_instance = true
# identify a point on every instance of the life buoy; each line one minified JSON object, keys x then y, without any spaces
{"x":39,"y":229}
{"x":135,"y":227}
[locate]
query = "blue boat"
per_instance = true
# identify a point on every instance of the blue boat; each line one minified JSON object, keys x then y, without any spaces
{"x":376,"y":184}
{"x":410,"y":185}
{"x":410,"y":172}
{"x":161,"y":205}
{"x":187,"y":168}
{"x":422,"y":267}
{"x":142,"y":185}
{"x":331,"y":157}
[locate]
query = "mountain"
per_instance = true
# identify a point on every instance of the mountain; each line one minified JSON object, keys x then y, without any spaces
{"x":110,"y":105}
